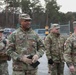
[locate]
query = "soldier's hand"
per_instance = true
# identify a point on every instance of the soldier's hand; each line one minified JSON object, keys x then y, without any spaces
{"x":26,"y":60}
{"x":72,"y":69}
{"x":35,"y":58}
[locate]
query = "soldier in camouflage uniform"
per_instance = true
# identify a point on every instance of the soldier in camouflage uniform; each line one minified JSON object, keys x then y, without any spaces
{"x":25,"y":47}
{"x":54,"y":44}
{"x":70,"y":52}
{"x":3,"y":56}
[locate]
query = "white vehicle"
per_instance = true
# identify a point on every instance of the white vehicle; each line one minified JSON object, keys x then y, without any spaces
{"x":41,"y":33}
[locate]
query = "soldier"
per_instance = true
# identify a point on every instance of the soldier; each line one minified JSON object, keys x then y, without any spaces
{"x":70,"y":52}
{"x":3,"y":56}
{"x":54,"y":45}
{"x":25,"y":48}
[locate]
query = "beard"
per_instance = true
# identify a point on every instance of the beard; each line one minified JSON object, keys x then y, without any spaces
{"x":26,"y":28}
{"x":57,"y":34}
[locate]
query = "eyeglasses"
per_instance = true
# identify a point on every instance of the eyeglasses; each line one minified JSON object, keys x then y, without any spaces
{"x":26,"y":20}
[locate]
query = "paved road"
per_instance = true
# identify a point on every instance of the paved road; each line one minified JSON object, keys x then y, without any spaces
{"x":66,"y":70}
{"x":10,"y":67}
{"x":42,"y":68}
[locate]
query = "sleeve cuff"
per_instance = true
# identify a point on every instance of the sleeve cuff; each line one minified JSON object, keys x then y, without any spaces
{"x":19,"y":58}
{"x":69,"y":64}
{"x":40,"y":54}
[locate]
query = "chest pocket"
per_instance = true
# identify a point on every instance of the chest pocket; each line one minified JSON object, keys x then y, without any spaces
{"x":61,"y":43}
{"x":74,"y":44}
{"x":54,"y":45}
{"x":1,"y":46}
{"x":31,"y":44}
{"x":57,"y":44}
{"x":20,"y":39}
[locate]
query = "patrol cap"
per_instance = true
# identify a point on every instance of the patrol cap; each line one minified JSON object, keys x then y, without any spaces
{"x":24,"y":16}
{"x":70,"y":32}
{"x":74,"y":23}
{"x":55,"y":26}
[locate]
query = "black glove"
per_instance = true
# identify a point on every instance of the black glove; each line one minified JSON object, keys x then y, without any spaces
{"x":30,"y":57}
{"x":34,"y":65}
{"x":50,"y":61}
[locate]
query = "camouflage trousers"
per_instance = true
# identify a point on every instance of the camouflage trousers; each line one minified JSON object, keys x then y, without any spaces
{"x":4,"y":68}
{"x":73,"y":73}
{"x":30,"y":72}
{"x":56,"y":68}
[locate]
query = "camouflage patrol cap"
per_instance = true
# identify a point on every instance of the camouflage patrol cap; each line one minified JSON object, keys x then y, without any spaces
{"x":70,"y":32}
{"x":55,"y":26}
{"x":24,"y":16}
{"x":74,"y":23}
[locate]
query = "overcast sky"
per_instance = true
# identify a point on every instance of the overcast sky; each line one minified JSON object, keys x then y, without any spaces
{"x":66,"y":5}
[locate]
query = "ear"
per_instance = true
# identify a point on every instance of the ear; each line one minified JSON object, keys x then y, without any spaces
{"x":19,"y":21}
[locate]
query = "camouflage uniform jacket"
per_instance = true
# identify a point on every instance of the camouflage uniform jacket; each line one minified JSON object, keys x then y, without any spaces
{"x":2,"y":45}
{"x":70,"y":50}
{"x":24,"y":43}
{"x":54,"y":47}
{"x":3,"y":56}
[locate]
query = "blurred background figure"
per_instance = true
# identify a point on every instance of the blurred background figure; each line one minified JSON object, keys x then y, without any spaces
{"x":3,"y":56}
{"x":70,"y":51}
{"x":54,"y":44}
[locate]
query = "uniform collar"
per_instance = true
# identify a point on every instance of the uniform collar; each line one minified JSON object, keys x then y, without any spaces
{"x":55,"y":35}
{"x":25,"y":31}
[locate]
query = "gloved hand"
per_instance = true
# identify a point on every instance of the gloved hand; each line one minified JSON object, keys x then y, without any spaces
{"x":35,"y":58}
{"x":26,"y":60}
